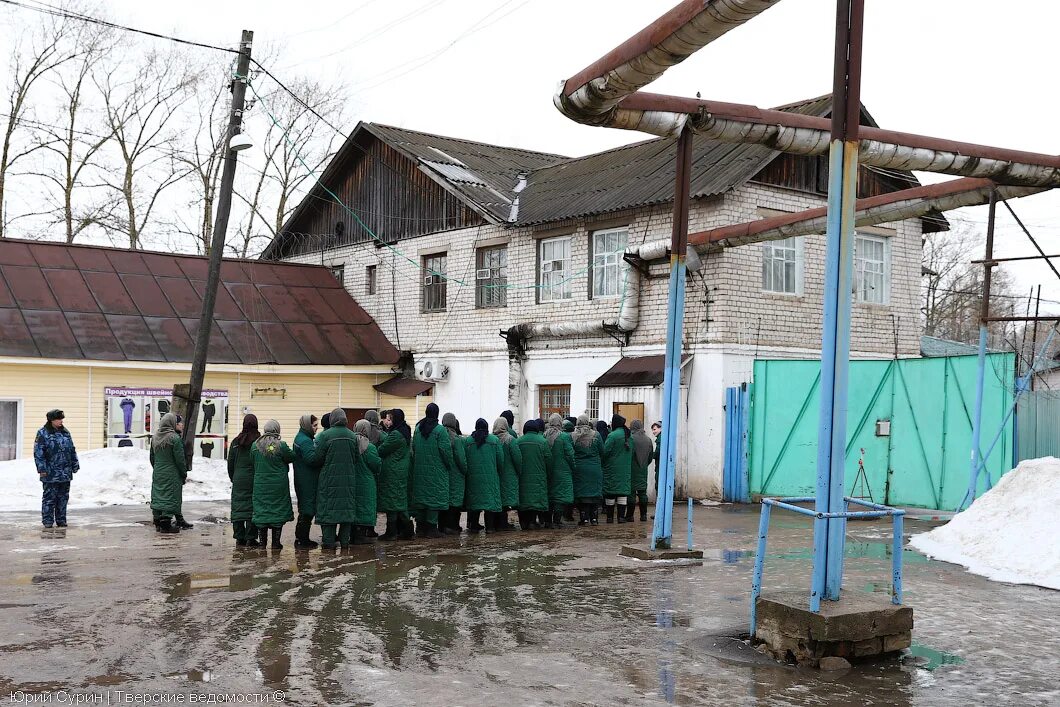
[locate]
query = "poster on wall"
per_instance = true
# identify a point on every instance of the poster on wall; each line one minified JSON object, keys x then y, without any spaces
{"x":132,"y":412}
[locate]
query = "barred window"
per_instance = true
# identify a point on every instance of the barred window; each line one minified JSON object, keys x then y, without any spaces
{"x":609,"y":268}
{"x":554,"y":399}
{"x":339,"y":273}
{"x":872,"y":269}
{"x":434,"y":282}
{"x":491,"y":277}
{"x":592,"y":402}
{"x":555,"y":278}
{"x":370,"y":279}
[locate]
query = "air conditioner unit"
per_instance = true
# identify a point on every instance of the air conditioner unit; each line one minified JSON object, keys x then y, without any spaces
{"x":432,"y":370}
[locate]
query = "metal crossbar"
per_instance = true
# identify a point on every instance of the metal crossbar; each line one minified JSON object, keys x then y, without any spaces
{"x":877,"y":511}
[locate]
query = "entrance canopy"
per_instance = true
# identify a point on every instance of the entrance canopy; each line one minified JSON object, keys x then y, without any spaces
{"x":637,"y":372}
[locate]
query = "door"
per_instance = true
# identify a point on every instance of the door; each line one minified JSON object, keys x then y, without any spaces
{"x":630,"y":411}
{"x":355,"y":414}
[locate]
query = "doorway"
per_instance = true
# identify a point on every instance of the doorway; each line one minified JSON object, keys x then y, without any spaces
{"x":630,"y":411}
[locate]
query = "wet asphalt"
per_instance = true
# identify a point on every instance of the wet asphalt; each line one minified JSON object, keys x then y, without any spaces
{"x":108,"y":607}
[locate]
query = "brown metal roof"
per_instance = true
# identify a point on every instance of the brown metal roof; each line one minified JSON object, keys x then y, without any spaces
{"x":401,"y":387}
{"x":635,"y":371}
{"x":89,"y":302}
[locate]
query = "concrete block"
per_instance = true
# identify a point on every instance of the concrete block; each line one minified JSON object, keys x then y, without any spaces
{"x":872,"y":646}
{"x":897,"y":642}
{"x":643,"y":553}
{"x":834,"y":663}
{"x":855,"y":617}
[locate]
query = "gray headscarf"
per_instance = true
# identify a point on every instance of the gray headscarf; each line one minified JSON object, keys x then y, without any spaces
{"x":555,"y":427}
{"x":166,"y":432}
{"x":452,"y":424}
{"x":305,"y":423}
{"x":362,"y":428}
{"x":338,"y":418}
{"x":372,"y":416}
{"x":500,"y":429}
{"x":584,"y":432}
{"x":642,"y":446}
{"x":269,"y":442}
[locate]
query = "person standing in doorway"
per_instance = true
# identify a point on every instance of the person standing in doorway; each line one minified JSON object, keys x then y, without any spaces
{"x":617,"y":462}
{"x":241,"y":474}
{"x":394,"y":479}
{"x":432,"y":465}
{"x":588,"y":472}
{"x":305,"y":481}
{"x":642,"y":456}
{"x":272,"y":486}
{"x":55,"y":457}
{"x":368,"y":467}
{"x":169,"y":472}
{"x":656,"y":431}
{"x":335,"y":454}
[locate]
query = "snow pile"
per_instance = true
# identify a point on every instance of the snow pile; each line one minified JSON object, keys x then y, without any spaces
{"x":1010,"y":534}
{"x":111,"y":476}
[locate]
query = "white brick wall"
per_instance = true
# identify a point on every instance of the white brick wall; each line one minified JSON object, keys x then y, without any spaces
{"x":739,"y":312}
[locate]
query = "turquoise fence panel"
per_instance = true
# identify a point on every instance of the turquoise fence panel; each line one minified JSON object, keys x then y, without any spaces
{"x":919,"y":455}
{"x":1038,"y":423}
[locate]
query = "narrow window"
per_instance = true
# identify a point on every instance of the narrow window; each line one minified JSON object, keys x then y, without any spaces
{"x":9,"y":429}
{"x":782,"y":266}
{"x":593,"y":402}
{"x":554,"y":399}
{"x":609,"y":268}
{"x":491,"y":277}
{"x":434,"y":281}
{"x":370,"y":279}
{"x":339,"y":273}
{"x":872,"y":269}
{"x":555,"y":277}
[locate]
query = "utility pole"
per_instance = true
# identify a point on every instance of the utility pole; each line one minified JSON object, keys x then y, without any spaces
{"x":220,"y":228}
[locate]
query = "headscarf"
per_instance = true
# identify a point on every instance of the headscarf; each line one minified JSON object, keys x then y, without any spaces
{"x":529,"y":426}
{"x":248,"y":436}
{"x":164,"y":433}
{"x":584,"y":433}
{"x":643,"y":449}
{"x":568,"y":425}
{"x":305,"y":423}
{"x":452,"y":424}
{"x":602,"y":429}
{"x":555,"y":426}
{"x":500,"y":429}
{"x":338,"y":418}
{"x":399,"y":424}
{"x":372,"y":416}
{"x":619,"y":423}
{"x":539,"y":425}
{"x":325,"y":421}
{"x":572,"y":420}
{"x":362,"y":428}
{"x":428,"y":423}
{"x":509,"y":417}
{"x":482,"y":431}
{"x":269,"y":443}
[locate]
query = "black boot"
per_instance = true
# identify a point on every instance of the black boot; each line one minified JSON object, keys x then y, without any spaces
{"x":610,"y":511}
{"x":407,"y":530}
{"x":643,"y":511}
{"x":568,"y":513}
{"x":544,"y":519}
{"x":301,"y":535}
{"x":432,"y":531}
{"x":557,"y":519}
{"x":180,"y":523}
{"x":631,"y":508}
{"x":584,"y":514}
{"x":594,"y":514}
{"x":473,"y":525}
{"x":623,"y":514}
{"x":276,"y":532}
{"x":165,"y":525}
{"x":263,"y":536}
{"x":361,"y":535}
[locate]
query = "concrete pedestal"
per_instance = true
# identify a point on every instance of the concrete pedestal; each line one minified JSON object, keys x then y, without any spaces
{"x":857,"y":626}
{"x":643,"y":553}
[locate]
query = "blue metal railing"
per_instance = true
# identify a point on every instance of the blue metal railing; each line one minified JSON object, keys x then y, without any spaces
{"x":788,"y":504}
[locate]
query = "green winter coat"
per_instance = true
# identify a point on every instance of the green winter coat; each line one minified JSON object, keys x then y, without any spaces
{"x":169,"y":471}
{"x":432,"y":462}
{"x":272,"y":486}
{"x":335,"y":454}
{"x":588,"y":471}
{"x":561,"y":480}
{"x":305,"y":476}
{"x":458,"y":472}
{"x":513,"y":467}
{"x":241,"y":474}
{"x":537,"y":467}
{"x":393,"y":486}
{"x":617,"y":462}
{"x":484,"y":465}
{"x":368,"y":467}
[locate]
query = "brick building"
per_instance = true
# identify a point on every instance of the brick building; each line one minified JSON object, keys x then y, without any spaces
{"x":450,"y":243}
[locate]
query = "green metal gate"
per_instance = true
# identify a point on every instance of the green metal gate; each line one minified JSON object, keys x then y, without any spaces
{"x":922,"y":460}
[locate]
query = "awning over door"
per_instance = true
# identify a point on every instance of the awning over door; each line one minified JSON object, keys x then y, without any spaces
{"x":401,"y":387}
{"x":636,"y":371}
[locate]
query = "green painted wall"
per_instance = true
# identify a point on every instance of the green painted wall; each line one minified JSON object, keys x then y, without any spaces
{"x":925,"y":460}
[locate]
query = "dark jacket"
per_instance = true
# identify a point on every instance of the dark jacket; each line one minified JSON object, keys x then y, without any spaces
{"x":169,"y":471}
{"x":336,"y":455}
{"x":241,"y":473}
{"x":55,"y":455}
{"x":272,"y":486}
{"x":305,"y":475}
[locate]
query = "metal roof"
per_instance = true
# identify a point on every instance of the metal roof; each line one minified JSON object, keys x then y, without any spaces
{"x":401,"y":387}
{"x":90,"y":302}
{"x":934,"y":347}
{"x":636,"y":371}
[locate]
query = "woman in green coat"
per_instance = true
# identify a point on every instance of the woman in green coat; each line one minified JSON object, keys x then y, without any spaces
{"x":485,"y":460}
{"x":305,"y":481}
{"x":588,"y":471}
{"x":335,"y":454}
{"x":169,"y":471}
{"x":272,"y":485}
{"x":457,"y":476}
{"x":432,"y":465}
{"x":533,"y":481}
{"x":617,"y":462}
{"x":241,"y":474}
{"x":513,"y":465}
{"x":560,"y":481}
{"x":368,"y":467}
{"x":394,"y":478}
{"x":638,"y":482}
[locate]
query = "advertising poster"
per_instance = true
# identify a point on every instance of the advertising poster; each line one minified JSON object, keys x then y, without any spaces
{"x":131,"y":413}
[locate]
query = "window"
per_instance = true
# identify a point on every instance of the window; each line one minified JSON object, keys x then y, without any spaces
{"x":782,"y":266}
{"x":339,"y":273}
{"x":554,"y":399}
{"x":609,"y":268}
{"x":10,"y":429}
{"x":592,"y":397}
{"x":491,"y":277}
{"x":554,"y":256}
{"x":434,"y":283}
{"x":370,"y":279}
{"x":872,"y":269}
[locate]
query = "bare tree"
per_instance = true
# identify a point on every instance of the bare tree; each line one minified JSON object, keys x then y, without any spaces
{"x":142,"y":112}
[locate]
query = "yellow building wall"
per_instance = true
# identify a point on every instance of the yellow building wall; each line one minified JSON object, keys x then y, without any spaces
{"x":78,"y":391}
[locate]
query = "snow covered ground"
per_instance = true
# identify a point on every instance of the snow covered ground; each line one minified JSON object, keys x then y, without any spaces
{"x":112,"y":476}
{"x":1011,"y":533}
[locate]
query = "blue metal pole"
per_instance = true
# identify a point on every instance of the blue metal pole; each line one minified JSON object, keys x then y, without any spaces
{"x":896,"y":559}
{"x":760,"y":558}
{"x":689,"y":521}
{"x":662,"y":532}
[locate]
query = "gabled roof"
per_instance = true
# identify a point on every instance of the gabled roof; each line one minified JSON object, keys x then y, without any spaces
{"x":89,"y":302}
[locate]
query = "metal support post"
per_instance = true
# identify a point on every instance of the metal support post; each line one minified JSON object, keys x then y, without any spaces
{"x":760,"y":560}
{"x":662,"y":533}
{"x":984,"y":320}
{"x":896,"y":559}
{"x":829,"y":532}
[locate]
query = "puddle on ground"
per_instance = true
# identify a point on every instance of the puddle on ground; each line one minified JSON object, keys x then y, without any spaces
{"x":931,"y":659}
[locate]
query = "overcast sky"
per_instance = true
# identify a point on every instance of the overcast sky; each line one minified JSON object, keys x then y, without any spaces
{"x":969,"y":70}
